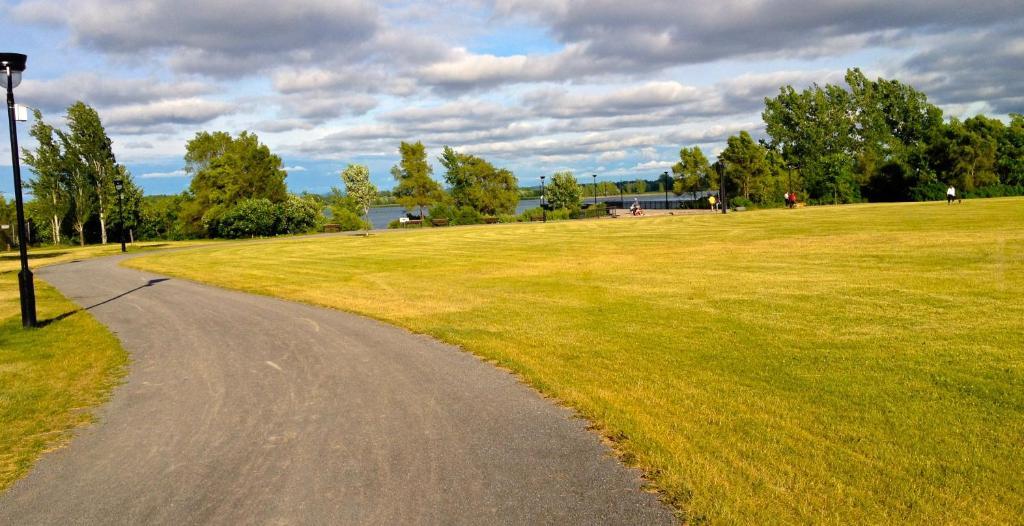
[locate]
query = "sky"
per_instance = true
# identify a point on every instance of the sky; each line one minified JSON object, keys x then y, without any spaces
{"x":594,"y":86}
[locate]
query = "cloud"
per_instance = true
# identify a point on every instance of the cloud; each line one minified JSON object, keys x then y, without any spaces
{"x":165,"y":175}
{"x":139,"y":118}
{"x":219,"y":38}
{"x":55,"y":95}
{"x":294,"y":168}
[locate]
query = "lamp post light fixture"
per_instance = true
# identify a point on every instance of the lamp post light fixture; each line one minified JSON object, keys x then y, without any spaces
{"x":666,"y":189}
{"x":12,"y":65}
{"x":595,"y":189}
{"x":543,"y":203}
{"x":119,"y":186}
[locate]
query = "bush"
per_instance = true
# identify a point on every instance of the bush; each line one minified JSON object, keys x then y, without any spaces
{"x":349,"y":221}
{"x":740,"y":201}
{"x":298,"y":215}
{"x":456,"y":216}
{"x":933,"y":191}
{"x":507,"y":218}
{"x":996,"y":190}
{"x":249,"y":218}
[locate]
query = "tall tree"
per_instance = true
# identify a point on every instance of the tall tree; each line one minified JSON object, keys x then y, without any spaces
{"x":415,"y":189}
{"x":564,"y":191}
{"x":227,"y":171}
{"x":94,"y":149}
{"x":358,"y":187}
{"x":692,"y":172}
{"x":79,"y":184}
{"x":48,"y":183}
{"x":746,"y":166}
{"x":477,"y":184}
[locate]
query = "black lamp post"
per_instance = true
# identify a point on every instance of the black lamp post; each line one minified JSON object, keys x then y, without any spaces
{"x":595,"y":188}
{"x":543,"y":209}
{"x":721,"y":187}
{"x":666,"y":189}
{"x":119,"y":186}
{"x":13,"y":64}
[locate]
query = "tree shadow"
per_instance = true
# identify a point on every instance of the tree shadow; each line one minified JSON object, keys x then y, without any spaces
{"x":45,"y":255}
{"x":150,"y":283}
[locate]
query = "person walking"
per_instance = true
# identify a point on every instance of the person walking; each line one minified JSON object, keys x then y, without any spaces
{"x":950,"y":195}
{"x":785,"y":199}
{"x":711,"y":201}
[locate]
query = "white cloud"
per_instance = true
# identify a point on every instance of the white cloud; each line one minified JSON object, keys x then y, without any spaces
{"x":164,"y":175}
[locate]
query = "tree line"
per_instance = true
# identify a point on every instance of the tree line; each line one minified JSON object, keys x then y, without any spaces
{"x":73,"y":180}
{"x":875,"y":140}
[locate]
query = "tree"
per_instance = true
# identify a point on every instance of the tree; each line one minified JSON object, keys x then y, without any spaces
{"x":227,"y":171}
{"x":814,"y":132}
{"x":415,"y":189}
{"x":477,"y":184}
{"x":48,"y":183}
{"x":78,"y":183}
{"x":564,"y":191}
{"x":746,"y":166}
{"x":641,"y":186}
{"x":964,"y":156}
{"x":692,"y":172}
{"x":94,"y":150}
{"x":358,"y":186}
{"x":1010,"y":152}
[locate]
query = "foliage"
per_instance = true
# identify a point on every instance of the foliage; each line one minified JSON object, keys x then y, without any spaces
{"x":564,"y":191}
{"x":358,"y":186}
{"x":456,"y":215}
{"x":227,"y":171}
{"x":415,"y":189}
{"x":248,"y":218}
{"x":262,"y":217}
{"x":298,"y":215}
{"x":477,"y":184}
{"x":348,"y":220}
{"x":692,"y":172}
{"x":47,"y":183}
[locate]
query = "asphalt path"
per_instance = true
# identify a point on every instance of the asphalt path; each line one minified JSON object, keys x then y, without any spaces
{"x":243,"y":409}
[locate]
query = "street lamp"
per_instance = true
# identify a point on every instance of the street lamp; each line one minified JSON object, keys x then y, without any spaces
{"x":12,"y":65}
{"x":119,"y":186}
{"x":595,"y":190}
{"x":666,"y":189}
{"x":721,"y":187}
{"x":543,"y":209}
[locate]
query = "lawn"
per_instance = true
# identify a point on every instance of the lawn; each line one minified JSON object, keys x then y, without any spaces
{"x":844,"y":365}
{"x":51,"y":377}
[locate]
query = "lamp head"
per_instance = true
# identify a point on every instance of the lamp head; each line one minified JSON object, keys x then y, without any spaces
{"x":118,"y":184}
{"x":16,"y":63}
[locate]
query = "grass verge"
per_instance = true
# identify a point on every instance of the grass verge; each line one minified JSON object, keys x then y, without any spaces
{"x":51,"y":376}
{"x":857,"y":364}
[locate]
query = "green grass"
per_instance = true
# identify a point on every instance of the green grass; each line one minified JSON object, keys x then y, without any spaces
{"x":846,"y":365}
{"x":50,"y":377}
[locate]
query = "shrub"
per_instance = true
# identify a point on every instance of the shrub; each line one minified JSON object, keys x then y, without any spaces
{"x":249,"y":218}
{"x":348,"y":220}
{"x":741,"y":201}
{"x":996,"y":190}
{"x":298,"y":215}
{"x":933,"y":191}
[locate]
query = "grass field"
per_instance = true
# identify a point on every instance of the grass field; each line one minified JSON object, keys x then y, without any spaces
{"x":52,"y":376}
{"x":846,"y":365}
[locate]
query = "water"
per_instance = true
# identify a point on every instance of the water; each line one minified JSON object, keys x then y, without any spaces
{"x":382,"y":215}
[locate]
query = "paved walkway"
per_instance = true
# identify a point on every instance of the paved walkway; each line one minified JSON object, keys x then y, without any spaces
{"x":242,"y":409}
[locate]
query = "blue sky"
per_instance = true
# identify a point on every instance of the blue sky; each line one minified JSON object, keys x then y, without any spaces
{"x":593,"y":86}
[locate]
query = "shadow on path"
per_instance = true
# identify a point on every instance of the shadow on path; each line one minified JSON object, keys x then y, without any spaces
{"x":150,"y":283}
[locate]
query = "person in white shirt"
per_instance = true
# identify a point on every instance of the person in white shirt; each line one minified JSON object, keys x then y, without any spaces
{"x":950,"y":195}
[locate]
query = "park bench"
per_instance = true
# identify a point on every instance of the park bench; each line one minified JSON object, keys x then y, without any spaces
{"x":412,"y":222}
{"x":332,"y":227}
{"x":490,"y":220}
{"x":439,"y":221}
